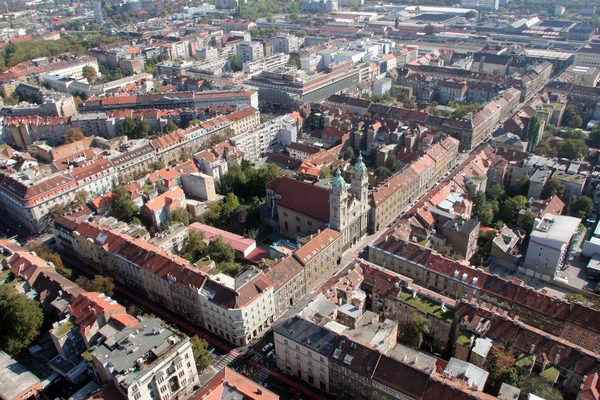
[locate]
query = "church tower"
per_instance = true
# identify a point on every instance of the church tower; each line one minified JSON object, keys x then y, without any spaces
{"x":338,"y":202}
{"x":360,"y":181}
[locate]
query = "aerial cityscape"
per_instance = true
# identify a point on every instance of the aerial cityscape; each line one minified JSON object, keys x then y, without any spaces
{"x":300,"y":199}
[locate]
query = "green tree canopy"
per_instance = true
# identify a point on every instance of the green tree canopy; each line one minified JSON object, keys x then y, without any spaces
{"x":383,"y":172}
{"x":44,"y":252}
{"x":575,"y":122}
{"x":20,"y":320}
{"x":325,"y":172}
{"x":170,"y":127}
{"x":576,"y":298}
{"x":122,"y":207}
{"x":573,"y":149}
{"x":195,"y":248}
{"x":509,"y":211}
{"x":202,"y":357}
{"x":500,"y":364}
{"x":527,"y":221}
{"x":348,"y":153}
{"x":101,"y":284}
{"x":129,"y":127}
{"x":181,"y":215}
{"x":482,"y":211}
{"x":89,"y":73}
{"x":582,"y":207}
{"x":539,"y":386}
{"x":390,"y":162}
{"x":416,"y":329}
{"x":553,"y":187}
{"x":220,"y":251}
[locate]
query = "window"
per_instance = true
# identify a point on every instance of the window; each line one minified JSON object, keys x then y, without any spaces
{"x":584,"y":333}
{"x":582,"y":341}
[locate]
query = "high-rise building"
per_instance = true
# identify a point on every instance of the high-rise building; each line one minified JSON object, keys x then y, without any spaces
{"x":98,"y":13}
{"x":285,"y":44}
{"x":249,"y":51}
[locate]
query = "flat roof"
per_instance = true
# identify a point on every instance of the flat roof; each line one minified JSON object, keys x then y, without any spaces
{"x":14,"y":378}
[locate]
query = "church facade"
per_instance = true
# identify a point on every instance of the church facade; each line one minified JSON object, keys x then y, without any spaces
{"x":295,"y":208}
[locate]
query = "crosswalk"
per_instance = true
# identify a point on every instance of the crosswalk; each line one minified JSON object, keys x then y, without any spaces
{"x":224,"y":361}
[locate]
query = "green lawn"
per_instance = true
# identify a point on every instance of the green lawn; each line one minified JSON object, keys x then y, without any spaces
{"x":551,"y":374}
{"x":64,"y":329}
{"x":464,"y":339}
{"x":524,"y":361}
{"x":426,"y":305}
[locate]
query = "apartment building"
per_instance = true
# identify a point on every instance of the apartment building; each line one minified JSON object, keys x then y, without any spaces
{"x":159,"y":211}
{"x":249,"y":51}
{"x":255,"y":142}
{"x":286,"y":44}
{"x":243,"y":121}
{"x":239,"y":310}
{"x":287,"y":276}
{"x":588,"y":56}
{"x":129,"y":358}
{"x":462,"y":234}
{"x":269,"y":62}
{"x":302,"y":349}
{"x":320,"y":255}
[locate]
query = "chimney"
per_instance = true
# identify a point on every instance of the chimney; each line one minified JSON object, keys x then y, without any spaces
{"x":531,"y":348}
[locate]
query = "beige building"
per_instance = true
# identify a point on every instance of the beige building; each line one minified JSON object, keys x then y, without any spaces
{"x":320,"y":255}
{"x":287,"y":276}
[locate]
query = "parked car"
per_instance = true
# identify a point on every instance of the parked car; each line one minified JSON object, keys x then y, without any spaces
{"x":267,"y":347}
{"x":271,"y":354}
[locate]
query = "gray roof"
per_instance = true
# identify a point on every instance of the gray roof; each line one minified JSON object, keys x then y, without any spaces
{"x":14,"y":378}
{"x":555,"y":230}
{"x":307,"y":333}
{"x":475,"y":376}
{"x":147,"y":339}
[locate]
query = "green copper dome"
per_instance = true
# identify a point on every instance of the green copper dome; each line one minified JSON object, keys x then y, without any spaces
{"x":337,"y":179}
{"x":360,"y":166}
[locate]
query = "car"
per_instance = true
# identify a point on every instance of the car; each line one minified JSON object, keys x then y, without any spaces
{"x":267,"y":347}
{"x":271,"y":354}
{"x":295,"y":391}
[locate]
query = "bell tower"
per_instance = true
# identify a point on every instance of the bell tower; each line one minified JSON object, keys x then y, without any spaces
{"x":338,"y":201}
{"x":360,"y":181}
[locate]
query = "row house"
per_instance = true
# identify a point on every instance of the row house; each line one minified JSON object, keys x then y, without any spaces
{"x":564,"y":363}
{"x":392,"y":196}
{"x":237,"y":312}
{"x":320,"y":255}
{"x":244,"y":120}
{"x":346,"y":368}
{"x":161,"y":277}
{"x":287,"y":276}
{"x":572,"y":322}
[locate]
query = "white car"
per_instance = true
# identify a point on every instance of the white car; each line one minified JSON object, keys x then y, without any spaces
{"x":271,"y":354}
{"x":267,"y":347}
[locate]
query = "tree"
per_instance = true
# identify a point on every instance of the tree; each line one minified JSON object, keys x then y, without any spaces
{"x":239,"y":219}
{"x":46,"y":254}
{"x":348,"y":153}
{"x":89,"y":73}
{"x":553,"y":188}
{"x":582,"y":207}
{"x":539,"y":386}
{"x":383,"y":172}
{"x":220,"y":252}
{"x":202,"y":357}
{"x":234,"y":64}
{"x":182,"y":216}
{"x":122,"y":207}
{"x":446,"y":251}
{"x":595,"y":137}
{"x":325,"y":172}
{"x":510,"y":208}
{"x":481,"y":209}
{"x":397,"y":23}
{"x":471,"y":14}
{"x":129,"y":127}
{"x":575,"y":122}
{"x":143,"y":130}
{"x":73,"y":136}
{"x":570,"y":112}
{"x":416,"y":329}
{"x":496,"y":192}
{"x":527,"y":221}
{"x":101,"y":284}
{"x":170,"y":127}
{"x":533,"y":133}
{"x":500,"y":364}
{"x":230,"y":268}
{"x":430,"y":29}
{"x":390,"y":162}
{"x":20,"y":320}
{"x":521,"y":186}
{"x":573,"y":149}
{"x":544,"y":149}
{"x":195,"y":248}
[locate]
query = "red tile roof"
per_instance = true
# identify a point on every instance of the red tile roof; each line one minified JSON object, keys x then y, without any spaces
{"x":302,"y":197}
{"x":317,"y":244}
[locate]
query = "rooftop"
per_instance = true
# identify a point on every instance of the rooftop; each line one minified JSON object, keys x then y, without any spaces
{"x":14,"y":378}
{"x":426,"y":305}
